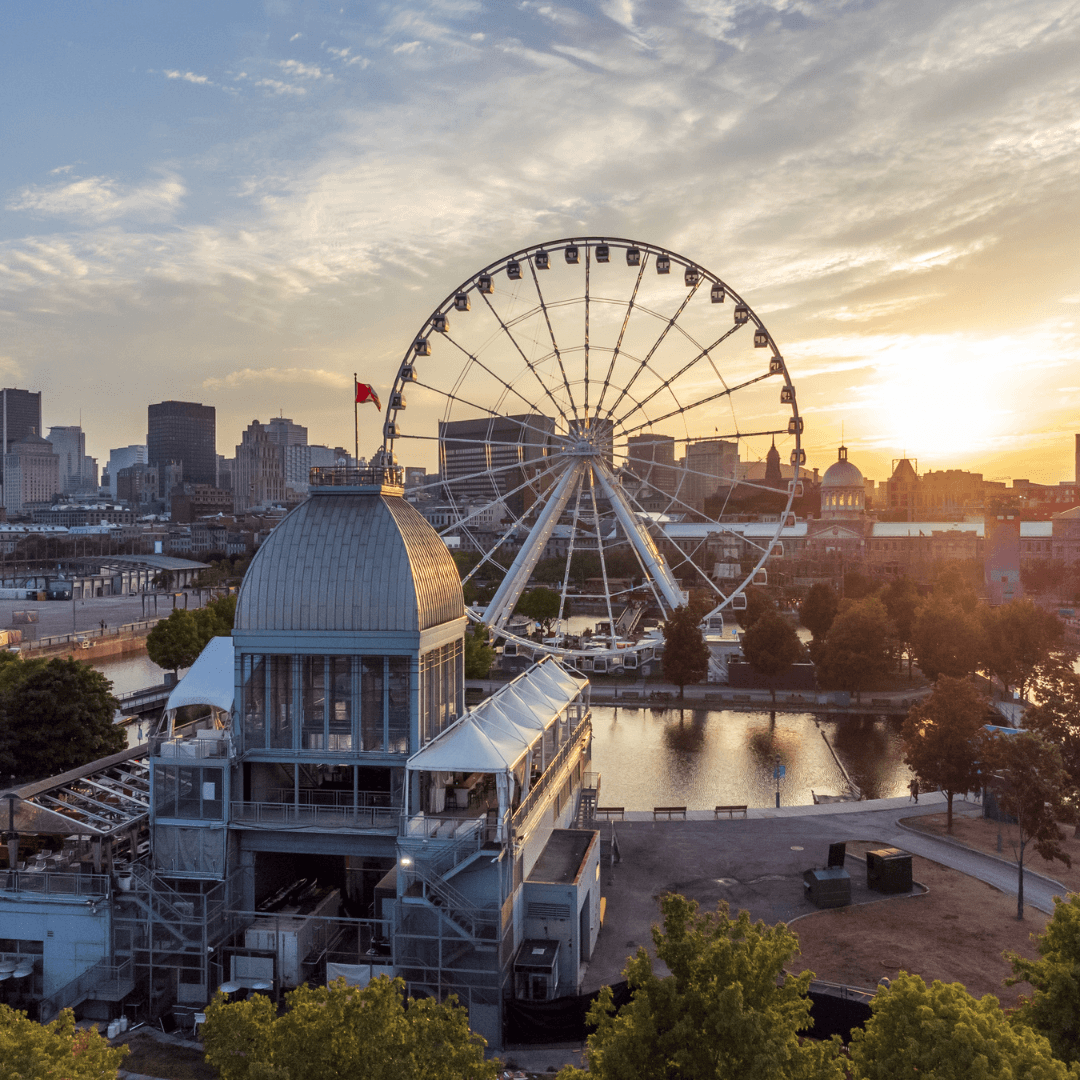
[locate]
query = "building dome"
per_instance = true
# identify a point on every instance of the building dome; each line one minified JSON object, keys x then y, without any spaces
{"x":351,"y":561}
{"x":843,"y":494}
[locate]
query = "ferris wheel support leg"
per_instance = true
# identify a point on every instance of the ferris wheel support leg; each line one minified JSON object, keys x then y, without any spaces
{"x":636,"y":533}
{"x":517,"y":577}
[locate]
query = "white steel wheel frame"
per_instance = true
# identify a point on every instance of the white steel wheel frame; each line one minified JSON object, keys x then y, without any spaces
{"x":577,"y":364}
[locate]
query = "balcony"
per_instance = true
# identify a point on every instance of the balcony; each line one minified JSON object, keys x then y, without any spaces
{"x":58,"y":884}
{"x":290,"y":815}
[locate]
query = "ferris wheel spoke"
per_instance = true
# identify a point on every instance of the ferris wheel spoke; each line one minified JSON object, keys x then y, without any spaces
{"x":493,"y":413}
{"x":734,"y":480}
{"x":508,"y":593}
{"x":622,"y":332}
{"x":533,"y":406}
{"x":528,"y":363}
{"x":588,"y":264}
{"x":600,"y":551}
{"x":705,"y":353}
{"x":639,"y":537}
{"x":682,"y":411}
{"x":656,"y":345}
{"x":439,"y":482}
{"x":570,"y":546}
{"x":555,"y":344}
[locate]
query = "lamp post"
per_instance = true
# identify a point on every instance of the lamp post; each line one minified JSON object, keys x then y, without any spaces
{"x":12,"y":835}
{"x":778,"y":771}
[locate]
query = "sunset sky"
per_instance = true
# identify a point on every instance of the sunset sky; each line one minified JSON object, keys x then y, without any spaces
{"x":243,"y":203}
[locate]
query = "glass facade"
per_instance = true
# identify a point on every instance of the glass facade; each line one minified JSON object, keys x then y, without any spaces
{"x":442,"y":689}
{"x":342,"y":704}
{"x":193,"y":792}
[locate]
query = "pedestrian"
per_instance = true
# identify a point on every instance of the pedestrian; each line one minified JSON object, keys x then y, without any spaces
{"x":914,"y":789}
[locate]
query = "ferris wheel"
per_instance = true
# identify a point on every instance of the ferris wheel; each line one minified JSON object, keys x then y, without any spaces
{"x":600,"y":408}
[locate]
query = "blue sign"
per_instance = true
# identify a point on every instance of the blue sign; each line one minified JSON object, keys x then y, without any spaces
{"x":779,"y":772}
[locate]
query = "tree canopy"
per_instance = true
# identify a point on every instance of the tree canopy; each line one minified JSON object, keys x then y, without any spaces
{"x":901,"y":599}
{"x":946,"y":638}
{"x":941,"y":1032}
{"x":55,"y":715}
{"x":943,"y":738}
{"x":338,"y":1030}
{"x":541,"y":605}
{"x":757,"y":603}
{"x":818,"y":610}
{"x":728,"y":1009}
{"x":177,"y":641}
{"x":856,"y":653}
{"x":771,"y":646}
{"x":31,"y":1050}
{"x":1056,"y":717}
{"x":479,"y":655}
{"x":1053,"y":1010}
{"x":686,"y":656}
{"x":1016,"y":639}
{"x":1031,"y":785}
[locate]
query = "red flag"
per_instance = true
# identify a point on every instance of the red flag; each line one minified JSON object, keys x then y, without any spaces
{"x":366,"y":392}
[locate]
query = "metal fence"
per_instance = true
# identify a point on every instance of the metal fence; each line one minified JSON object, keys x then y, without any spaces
{"x":56,"y":883}
{"x":84,"y":637}
{"x":289,"y":815}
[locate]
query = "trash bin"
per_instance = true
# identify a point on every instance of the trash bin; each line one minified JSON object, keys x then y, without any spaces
{"x":828,"y":887}
{"x":888,"y":870}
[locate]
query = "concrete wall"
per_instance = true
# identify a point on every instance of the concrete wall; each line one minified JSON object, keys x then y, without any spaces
{"x":75,"y":937}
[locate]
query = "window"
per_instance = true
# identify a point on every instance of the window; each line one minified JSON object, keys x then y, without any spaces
{"x":281,"y":702}
{"x":341,"y":695}
{"x":399,"y":703}
{"x":371,"y":703}
{"x":314,"y":699}
{"x":254,"y":703}
{"x":189,"y":791}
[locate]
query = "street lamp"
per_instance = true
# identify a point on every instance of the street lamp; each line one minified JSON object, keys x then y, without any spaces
{"x":778,"y":772}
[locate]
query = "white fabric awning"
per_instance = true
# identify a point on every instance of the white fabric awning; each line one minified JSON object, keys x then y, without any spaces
{"x":500,"y":731}
{"x":211,"y":680}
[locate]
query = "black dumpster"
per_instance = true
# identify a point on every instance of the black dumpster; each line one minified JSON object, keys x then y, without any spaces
{"x":888,"y":870}
{"x":830,"y":887}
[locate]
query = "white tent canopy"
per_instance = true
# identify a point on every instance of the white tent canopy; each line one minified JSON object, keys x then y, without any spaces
{"x":211,"y":680}
{"x":500,"y":734}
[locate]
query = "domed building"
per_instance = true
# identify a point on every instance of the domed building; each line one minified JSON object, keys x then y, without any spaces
{"x":843,"y":494}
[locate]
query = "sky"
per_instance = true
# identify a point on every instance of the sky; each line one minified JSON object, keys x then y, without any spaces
{"x":244,"y":203}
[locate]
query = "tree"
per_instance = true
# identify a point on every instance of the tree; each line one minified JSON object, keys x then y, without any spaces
{"x":818,"y":610}
{"x":175,"y":642}
{"x":686,"y":656}
{"x":479,"y":655}
{"x":338,"y":1030}
{"x":771,"y":646}
{"x":1054,"y":1009}
{"x":901,"y":600}
{"x":857,"y":586}
{"x":943,"y":739}
{"x":55,"y":715}
{"x":29,"y":1049}
{"x":1016,"y":638}
{"x":946,"y":639}
{"x":855,"y":655}
{"x":728,"y":1009}
{"x":541,"y":605}
{"x":1032,"y":786}
{"x":1057,"y":718}
{"x":757,"y":603}
{"x":216,"y":618}
{"x":941,"y":1032}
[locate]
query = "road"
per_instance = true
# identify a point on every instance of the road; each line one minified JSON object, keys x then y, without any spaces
{"x":61,"y":617}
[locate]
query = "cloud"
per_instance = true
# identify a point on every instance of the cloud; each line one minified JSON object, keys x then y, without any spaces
{"x":303,"y":71}
{"x":295,"y":37}
{"x":276,"y":86}
{"x":187,"y":76}
{"x":281,"y":376}
{"x":101,"y":199}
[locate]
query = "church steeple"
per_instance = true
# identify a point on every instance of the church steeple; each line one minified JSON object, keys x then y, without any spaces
{"x":773,"y":476}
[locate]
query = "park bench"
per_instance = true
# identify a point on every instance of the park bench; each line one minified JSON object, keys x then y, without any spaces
{"x":610,"y":811}
{"x":669,"y":810}
{"x":731,"y":811}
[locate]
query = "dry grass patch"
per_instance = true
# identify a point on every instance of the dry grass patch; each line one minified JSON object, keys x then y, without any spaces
{"x":166,"y":1060}
{"x":981,"y":834}
{"x":956,"y":933}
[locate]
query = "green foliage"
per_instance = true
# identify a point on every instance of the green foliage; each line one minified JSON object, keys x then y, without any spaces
{"x":29,"y":1050}
{"x":55,"y":715}
{"x":757,"y":604}
{"x":856,"y":654}
{"x":1043,"y":576}
{"x":1031,"y":785}
{"x":686,"y":656}
{"x":1057,"y":716}
{"x":343,"y":1031}
{"x":541,"y":605}
{"x":1054,"y":1009}
{"x":771,"y":646}
{"x":857,"y":586}
{"x":818,"y":610}
{"x":479,"y":655}
{"x":960,"y":580}
{"x":941,"y":1032}
{"x":944,"y":738}
{"x":728,"y":1009}
{"x":901,"y":600}
{"x":1016,"y":638}
{"x":177,"y":641}
{"x":946,"y":638}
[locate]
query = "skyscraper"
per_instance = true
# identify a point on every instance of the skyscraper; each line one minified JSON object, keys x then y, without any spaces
{"x":184,"y":432}
{"x":21,"y":414}
{"x":78,"y":471}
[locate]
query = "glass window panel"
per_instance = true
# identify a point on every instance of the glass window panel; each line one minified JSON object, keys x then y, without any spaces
{"x":254,"y":702}
{"x":341,"y":707}
{"x":213,"y":794}
{"x":399,"y":704}
{"x":313,"y":735}
{"x":371,"y":703}
{"x":281,"y":702}
{"x":459,"y":679}
{"x":165,"y":790}
{"x":188,"y":792}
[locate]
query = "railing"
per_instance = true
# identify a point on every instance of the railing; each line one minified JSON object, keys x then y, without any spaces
{"x":551,"y":773}
{"x":321,"y":797}
{"x":73,"y":992}
{"x":347,"y":476}
{"x":277,"y":815}
{"x":477,"y":922}
{"x":127,"y":630}
{"x":186,"y":747}
{"x":56,"y":883}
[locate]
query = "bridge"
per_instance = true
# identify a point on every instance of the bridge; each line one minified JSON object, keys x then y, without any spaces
{"x":143,"y":702}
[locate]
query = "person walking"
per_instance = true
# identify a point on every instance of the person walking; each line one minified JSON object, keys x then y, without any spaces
{"x":914,"y":787}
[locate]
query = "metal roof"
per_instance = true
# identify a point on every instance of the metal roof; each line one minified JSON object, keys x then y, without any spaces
{"x":156,"y":562}
{"x":351,"y":561}
{"x":892,"y":529}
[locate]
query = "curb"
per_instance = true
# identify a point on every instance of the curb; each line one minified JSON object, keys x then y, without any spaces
{"x":984,"y":854}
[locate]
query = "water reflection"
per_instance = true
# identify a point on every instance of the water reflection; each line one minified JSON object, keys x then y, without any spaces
{"x":705,"y":757}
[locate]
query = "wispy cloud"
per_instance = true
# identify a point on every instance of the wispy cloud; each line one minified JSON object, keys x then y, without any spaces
{"x":187,"y":76}
{"x":303,"y":71}
{"x":276,"y":86}
{"x":101,"y":199}
{"x":281,"y":376}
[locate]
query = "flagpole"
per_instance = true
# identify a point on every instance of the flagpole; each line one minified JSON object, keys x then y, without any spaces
{"x":355,"y":421}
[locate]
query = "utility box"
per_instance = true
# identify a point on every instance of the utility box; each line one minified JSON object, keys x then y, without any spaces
{"x":828,"y":887}
{"x":888,"y":870}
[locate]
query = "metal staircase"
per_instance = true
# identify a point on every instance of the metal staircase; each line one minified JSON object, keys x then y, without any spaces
{"x":468,"y":920}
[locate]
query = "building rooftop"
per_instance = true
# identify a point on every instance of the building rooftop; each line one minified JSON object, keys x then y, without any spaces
{"x":563,"y":856}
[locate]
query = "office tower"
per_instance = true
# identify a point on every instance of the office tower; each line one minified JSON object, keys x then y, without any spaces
{"x":78,"y":471}
{"x":185,"y":433}
{"x":21,"y":414}
{"x":123,"y":457}
{"x":651,"y":458}
{"x":259,"y":473}
{"x":711,"y":468}
{"x":285,"y":433}
{"x":32,"y":474}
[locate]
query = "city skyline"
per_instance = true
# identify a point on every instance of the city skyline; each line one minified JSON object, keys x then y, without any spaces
{"x":243,"y":208}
